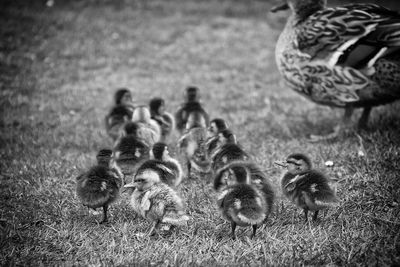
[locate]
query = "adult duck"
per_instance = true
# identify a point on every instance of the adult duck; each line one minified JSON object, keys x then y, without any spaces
{"x":346,"y":56}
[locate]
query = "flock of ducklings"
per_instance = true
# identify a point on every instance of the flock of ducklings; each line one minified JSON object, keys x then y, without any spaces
{"x":139,"y":163}
{"x":353,"y":61}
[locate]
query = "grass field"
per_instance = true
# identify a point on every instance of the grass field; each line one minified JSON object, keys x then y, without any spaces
{"x":60,"y":66}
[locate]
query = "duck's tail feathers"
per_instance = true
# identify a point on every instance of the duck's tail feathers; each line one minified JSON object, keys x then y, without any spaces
{"x":251,"y":215}
{"x":176,"y":218}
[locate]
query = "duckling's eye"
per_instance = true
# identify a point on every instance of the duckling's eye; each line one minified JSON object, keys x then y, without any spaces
{"x":139,"y":180}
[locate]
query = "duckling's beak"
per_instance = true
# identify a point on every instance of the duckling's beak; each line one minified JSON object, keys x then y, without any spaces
{"x":277,"y":8}
{"x":281,"y":163}
{"x":129,"y":187}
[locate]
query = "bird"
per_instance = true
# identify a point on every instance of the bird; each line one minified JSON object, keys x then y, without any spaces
{"x":116,"y":119}
{"x":226,"y":154}
{"x":346,"y":56}
{"x":129,"y":152}
{"x":226,"y":150}
{"x":256,"y":177}
{"x":216,"y":126}
{"x":162,"y":117}
{"x":306,"y":187}
{"x":191,"y":104}
{"x":100,"y":185}
{"x":240,"y":202}
{"x":156,"y":201}
{"x":192,"y":145}
{"x":171,"y":166}
{"x":120,"y":113}
{"x":149,"y":130}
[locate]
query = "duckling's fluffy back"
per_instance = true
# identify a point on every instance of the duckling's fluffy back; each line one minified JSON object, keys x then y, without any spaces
{"x":97,"y":187}
{"x":310,"y":188}
{"x":169,"y":171}
{"x":242,"y":204}
{"x":226,"y":154}
{"x":257,"y":178}
{"x":160,"y":203}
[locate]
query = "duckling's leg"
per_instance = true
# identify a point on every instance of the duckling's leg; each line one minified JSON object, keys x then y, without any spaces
{"x":306,"y":215}
{"x":189,"y":167}
{"x":362,"y":123}
{"x":338,"y":130}
{"x":105,"y":219}
{"x":254,"y":230}
{"x":153,"y":228}
{"x":233,"y":226}
{"x":314,"y":218}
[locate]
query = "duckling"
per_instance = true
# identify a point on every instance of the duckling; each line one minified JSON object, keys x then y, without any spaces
{"x":226,"y":150}
{"x":123,"y":96}
{"x":129,"y":152}
{"x":352,"y":61}
{"x":163,"y":118}
{"x":240,"y":202}
{"x":149,"y":129}
{"x":226,"y":154}
{"x":256,"y":177}
{"x":305,"y":187}
{"x":116,"y":119}
{"x":190,"y":105}
{"x":156,"y":201}
{"x":161,"y":154}
{"x":192,"y":145}
{"x":216,"y":126}
{"x":100,"y":185}
{"x":120,"y":113}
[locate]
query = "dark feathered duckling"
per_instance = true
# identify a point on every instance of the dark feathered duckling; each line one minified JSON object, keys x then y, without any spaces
{"x":227,"y":150}
{"x":129,"y":152}
{"x":156,"y":201}
{"x":240,"y":202}
{"x":191,"y":105}
{"x":120,"y":113}
{"x":216,"y":126}
{"x":100,"y":186}
{"x":162,"y":117}
{"x":172,"y":166}
{"x":167,"y":168}
{"x":309,"y":189}
{"x":256,"y":177}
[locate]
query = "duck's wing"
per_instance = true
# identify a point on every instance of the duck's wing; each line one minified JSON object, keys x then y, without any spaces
{"x":338,"y":48}
{"x":332,"y":33}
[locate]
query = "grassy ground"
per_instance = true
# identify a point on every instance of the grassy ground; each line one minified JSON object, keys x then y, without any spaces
{"x":59,"y":69}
